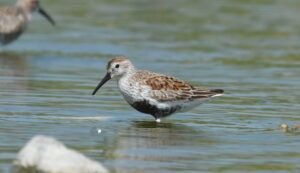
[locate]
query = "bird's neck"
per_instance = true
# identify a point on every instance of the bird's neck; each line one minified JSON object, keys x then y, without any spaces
{"x":128,"y":74}
{"x":131,"y":71}
{"x":26,"y":11}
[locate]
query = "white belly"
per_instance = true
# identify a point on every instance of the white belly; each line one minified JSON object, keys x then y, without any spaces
{"x":186,"y":105}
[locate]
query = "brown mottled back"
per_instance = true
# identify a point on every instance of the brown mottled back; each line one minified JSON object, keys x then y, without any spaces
{"x":165,"y":88}
{"x":167,"y":83}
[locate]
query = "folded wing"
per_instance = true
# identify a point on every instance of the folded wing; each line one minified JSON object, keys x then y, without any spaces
{"x":167,"y":89}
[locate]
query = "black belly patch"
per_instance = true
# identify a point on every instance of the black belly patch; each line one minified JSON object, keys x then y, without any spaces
{"x":145,"y":107}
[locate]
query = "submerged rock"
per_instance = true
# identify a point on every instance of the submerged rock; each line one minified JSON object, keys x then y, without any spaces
{"x":286,"y":128}
{"x":46,"y":154}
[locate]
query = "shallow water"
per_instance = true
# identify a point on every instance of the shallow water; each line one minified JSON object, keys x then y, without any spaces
{"x":251,"y":49}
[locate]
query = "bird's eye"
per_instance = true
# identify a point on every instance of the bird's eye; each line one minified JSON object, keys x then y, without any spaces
{"x":117,"y":66}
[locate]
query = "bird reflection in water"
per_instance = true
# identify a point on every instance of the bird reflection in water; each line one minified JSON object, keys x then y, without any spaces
{"x":152,"y":134}
{"x":145,"y":142}
{"x":13,"y":69}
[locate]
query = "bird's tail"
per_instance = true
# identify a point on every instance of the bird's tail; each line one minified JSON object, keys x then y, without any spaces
{"x":216,"y":92}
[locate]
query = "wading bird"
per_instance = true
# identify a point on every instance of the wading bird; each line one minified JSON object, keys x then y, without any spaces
{"x":152,"y":93}
{"x":14,"y":19}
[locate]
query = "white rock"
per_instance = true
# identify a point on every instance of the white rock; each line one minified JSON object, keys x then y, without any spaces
{"x":49,"y":155}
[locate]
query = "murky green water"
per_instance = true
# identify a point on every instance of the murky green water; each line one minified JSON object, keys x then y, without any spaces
{"x":249,"y":48}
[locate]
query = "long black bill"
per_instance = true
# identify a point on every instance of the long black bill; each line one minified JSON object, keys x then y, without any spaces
{"x":46,"y":15}
{"x":103,"y":81}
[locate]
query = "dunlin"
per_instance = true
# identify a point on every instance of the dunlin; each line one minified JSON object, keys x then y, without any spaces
{"x":14,"y":19}
{"x":152,"y":93}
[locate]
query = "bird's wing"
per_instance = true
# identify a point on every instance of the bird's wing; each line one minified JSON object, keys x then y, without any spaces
{"x":165,"y":89}
{"x":11,"y":20}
